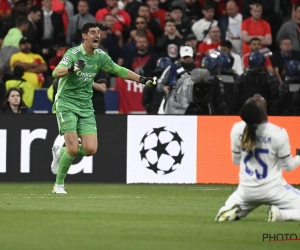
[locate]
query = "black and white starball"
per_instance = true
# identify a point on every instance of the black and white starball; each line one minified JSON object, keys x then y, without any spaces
{"x":161,"y":150}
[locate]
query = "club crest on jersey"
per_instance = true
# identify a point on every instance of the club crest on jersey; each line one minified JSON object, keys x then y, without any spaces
{"x":95,"y":66}
{"x":66,"y":59}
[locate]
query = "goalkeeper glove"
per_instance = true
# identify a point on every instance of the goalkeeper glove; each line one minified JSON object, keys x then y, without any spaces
{"x":148,"y":81}
{"x":79,"y":65}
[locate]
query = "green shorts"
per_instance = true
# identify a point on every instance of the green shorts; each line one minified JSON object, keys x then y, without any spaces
{"x":72,"y":122}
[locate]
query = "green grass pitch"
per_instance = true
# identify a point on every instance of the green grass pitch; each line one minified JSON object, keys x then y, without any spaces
{"x":129,"y":217}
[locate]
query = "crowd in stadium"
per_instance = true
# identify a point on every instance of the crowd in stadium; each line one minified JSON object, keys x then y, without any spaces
{"x":35,"y":34}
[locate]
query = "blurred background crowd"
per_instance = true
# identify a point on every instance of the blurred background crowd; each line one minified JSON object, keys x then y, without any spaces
{"x":35,"y":34}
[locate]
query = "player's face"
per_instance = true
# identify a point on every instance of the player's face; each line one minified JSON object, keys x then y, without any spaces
{"x":92,"y":38}
{"x":225,"y":50}
{"x":14,"y":98}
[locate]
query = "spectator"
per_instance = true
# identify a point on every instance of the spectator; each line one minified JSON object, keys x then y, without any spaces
{"x":291,"y":29}
{"x":130,"y":48}
{"x":192,"y":11}
{"x":122,"y":19}
{"x":152,"y":25}
{"x":191,"y":40}
{"x":99,"y":89}
{"x":114,"y":41}
{"x":169,"y":44}
{"x":66,"y":9}
{"x":143,"y":61}
{"x":230,"y":26}
{"x":32,"y":33}
{"x":33,"y":64}
{"x":202,"y":27}
{"x":103,"y":34}
{"x":95,"y":5}
{"x":254,"y":26}
{"x":182,"y":26}
{"x":159,"y":15}
{"x":280,"y":58}
{"x":141,"y":24}
{"x":214,"y":41}
{"x":170,"y":75}
{"x":236,"y":61}
{"x":54,"y":61}
{"x":19,"y":10}
{"x":20,"y":83}
{"x":5,"y":13}
{"x":51,"y":29}
{"x":74,"y":36}
{"x":13,"y":103}
{"x":14,"y":35}
{"x":132,"y":7}
{"x":254,"y":45}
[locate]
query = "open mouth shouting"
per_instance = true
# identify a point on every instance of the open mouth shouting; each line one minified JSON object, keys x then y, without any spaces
{"x":96,"y":42}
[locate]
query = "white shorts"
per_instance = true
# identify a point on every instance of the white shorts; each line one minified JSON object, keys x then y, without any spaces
{"x":284,"y":197}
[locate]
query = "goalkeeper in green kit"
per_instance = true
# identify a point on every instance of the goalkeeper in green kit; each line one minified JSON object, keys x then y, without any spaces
{"x":73,"y":104}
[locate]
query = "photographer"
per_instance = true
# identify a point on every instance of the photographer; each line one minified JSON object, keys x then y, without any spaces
{"x":192,"y":94}
{"x":257,"y":81}
{"x":151,"y":97}
{"x":172,"y":73}
{"x":223,"y":80}
{"x":289,"y":89}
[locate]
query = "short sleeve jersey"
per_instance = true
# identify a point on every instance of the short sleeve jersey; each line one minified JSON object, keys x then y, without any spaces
{"x":75,"y":90}
{"x":259,"y":167}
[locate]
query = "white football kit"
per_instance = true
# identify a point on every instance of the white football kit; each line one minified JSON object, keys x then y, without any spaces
{"x":261,"y":180}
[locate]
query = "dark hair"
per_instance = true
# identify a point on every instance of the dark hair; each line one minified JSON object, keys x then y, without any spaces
{"x":21,"y":20}
{"x":6,"y":105}
{"x":34,"y":9}
{"x":252,"y":114}
{"x":284,"y":38}
{"x":141,"y":33}
{"x":144,"y":5}
{"x":86,"y":27}
{"x":254,"y":39}
{"x":170,"y":20}
{"x":208,"y":6}
{"x":226,"y":44}
{"x":142,"y":18}
{"x":297,"y":6}
{"x":18,"y":71}
{"x":86,"y":1}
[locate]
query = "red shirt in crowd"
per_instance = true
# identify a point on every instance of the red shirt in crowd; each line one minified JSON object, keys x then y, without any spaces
{"x":268,"y":62}
{"x":254,"y":28}
{"x":5,"y":7}
{"x":60,"y":8}
{"x":159,"y":16}
{"x":122,"y":17}
{"x":204,"y":47}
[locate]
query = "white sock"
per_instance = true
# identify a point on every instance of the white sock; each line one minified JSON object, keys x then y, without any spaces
{"x":290,"y":214}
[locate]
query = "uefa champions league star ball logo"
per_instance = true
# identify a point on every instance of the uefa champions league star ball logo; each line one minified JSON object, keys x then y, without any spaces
{"x":161,"y":150}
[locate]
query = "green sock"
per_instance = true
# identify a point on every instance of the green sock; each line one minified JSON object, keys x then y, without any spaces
{"x":64,"y":165}
{"x":80,"y":152}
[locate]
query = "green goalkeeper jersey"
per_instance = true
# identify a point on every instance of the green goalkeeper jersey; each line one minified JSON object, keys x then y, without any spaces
{"x":75,"y":90}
